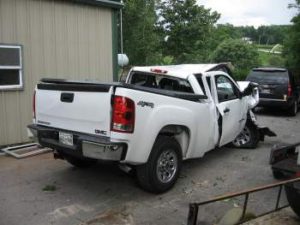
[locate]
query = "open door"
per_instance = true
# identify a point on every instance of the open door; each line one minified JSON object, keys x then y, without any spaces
{"x":232,"y":109}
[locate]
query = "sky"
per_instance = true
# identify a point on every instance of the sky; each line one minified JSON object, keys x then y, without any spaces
{"x":252,"y":12}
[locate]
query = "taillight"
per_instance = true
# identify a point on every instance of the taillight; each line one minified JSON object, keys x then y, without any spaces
{"x":123,"y":115}
{"x":289,"y":90}
{"x":33,"y":105}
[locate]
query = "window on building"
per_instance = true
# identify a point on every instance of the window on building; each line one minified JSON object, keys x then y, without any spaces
{"x":11,"y":67}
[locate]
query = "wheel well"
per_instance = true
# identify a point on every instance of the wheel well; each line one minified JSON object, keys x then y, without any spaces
{"x":180,"y":133}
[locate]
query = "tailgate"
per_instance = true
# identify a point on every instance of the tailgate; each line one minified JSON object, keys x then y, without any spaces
{"x":73,"y":106}
{"x":274,"y":91}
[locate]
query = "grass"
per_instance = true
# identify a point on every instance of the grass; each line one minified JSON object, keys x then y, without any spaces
{"x":266,"y":47}
{"x":269,"y":59}
{"x":264,"y":58}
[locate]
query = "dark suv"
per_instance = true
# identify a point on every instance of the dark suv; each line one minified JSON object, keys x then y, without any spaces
{"x":277,"y":88}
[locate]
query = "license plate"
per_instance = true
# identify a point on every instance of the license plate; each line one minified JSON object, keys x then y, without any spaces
{"x":66,"y":138}
{"x":265,"y":91}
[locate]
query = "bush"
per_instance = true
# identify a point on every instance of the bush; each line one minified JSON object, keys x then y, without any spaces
{"x":242,"y":55}
{"x":276,"y":60}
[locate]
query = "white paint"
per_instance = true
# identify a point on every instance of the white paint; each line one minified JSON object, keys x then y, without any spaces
{"x":91,"y":110}
{"x":88,"y":112}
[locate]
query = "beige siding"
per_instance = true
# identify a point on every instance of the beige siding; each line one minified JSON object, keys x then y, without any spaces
{"x":60,"y":39}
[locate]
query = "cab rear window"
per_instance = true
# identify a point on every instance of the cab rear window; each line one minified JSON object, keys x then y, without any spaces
{"x":160,"y":82}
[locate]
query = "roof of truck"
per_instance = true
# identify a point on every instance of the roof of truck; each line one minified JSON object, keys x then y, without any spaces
{"x":181,"y":71}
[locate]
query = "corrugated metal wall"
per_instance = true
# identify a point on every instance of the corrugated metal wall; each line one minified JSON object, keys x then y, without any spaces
{"x":60,"y":40}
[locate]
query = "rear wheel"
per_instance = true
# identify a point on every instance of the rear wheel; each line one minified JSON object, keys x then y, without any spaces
{"x":161,"y":171}
{"x":79,"y":162}
{"x":248,"y":138}
{"x":292,"y":111}
{"x":293,"y":196}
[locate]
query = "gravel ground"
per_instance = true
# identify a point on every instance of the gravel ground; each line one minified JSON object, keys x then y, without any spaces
{"x":41,"y":190}
{"x":283,"y":217}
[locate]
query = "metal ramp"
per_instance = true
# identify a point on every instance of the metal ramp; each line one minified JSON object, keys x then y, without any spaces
{"x":25,"y":150}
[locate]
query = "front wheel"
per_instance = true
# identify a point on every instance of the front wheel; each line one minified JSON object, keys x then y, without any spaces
{"x":248,"y":138}
{"x":161,"y":171}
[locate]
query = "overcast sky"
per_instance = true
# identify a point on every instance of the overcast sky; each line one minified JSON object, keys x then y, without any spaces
{"x":252,"y":12}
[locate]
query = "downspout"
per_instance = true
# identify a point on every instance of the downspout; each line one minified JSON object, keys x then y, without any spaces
{"x":121,"y":29}
{"x":114,"y":24}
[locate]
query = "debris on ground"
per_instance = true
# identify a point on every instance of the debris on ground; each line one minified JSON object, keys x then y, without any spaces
{"x":282,"y":217}
{"x":49,"y":188}
{"x":118,"y":216}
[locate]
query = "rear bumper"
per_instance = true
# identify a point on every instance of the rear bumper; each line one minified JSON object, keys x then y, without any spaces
{"x":84,"y":145}
{"x":270,"y":102}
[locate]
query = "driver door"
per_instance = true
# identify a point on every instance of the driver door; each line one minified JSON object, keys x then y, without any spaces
{"x":230,"y":107}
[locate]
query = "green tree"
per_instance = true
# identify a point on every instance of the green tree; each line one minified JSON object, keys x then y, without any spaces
{"x":243,"y":56}
{"x":187,"y":28}
{"x":141,"y":40}
{"x":270,"y":35}
{"x":222,"y":32}
{"x":292,"y":43}
{"x":248,"y":31}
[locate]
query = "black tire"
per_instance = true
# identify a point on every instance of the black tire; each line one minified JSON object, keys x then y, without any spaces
{"x":79,"y":162}
{"x":167,"y":151}
{"x":293,"y":196}
{"x":292,"y":111}
{"x":248,"y":138}
{"x":278,"y":175}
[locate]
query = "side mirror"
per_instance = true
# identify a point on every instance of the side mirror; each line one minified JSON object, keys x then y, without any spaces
{"x":249,"y":89}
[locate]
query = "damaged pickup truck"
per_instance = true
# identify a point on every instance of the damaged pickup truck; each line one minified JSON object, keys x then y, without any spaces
{"x":160,"y":116}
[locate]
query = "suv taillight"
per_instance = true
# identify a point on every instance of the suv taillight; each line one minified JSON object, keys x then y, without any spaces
{"x":289,"y":90}
{"x":123,"y":116}
{"x":33,"y":105}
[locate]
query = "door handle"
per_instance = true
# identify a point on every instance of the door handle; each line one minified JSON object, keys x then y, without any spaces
{"x":67,"y":97}
{"x":226,"y":110}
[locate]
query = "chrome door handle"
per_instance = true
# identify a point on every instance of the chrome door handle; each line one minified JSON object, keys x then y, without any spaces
{"x":226,"y":110}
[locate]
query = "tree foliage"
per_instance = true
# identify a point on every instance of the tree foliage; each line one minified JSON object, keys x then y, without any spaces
{"x":292,"y":44}
{"x":186,"y":28}
{"x":242,"y":55}
{"x":222,"y":32}
{"x":182,"y":31}
{"x":276,"y":61}
{"x":141,"y":40}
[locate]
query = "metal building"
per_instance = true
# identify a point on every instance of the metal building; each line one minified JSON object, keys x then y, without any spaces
{"x":73,"y":39}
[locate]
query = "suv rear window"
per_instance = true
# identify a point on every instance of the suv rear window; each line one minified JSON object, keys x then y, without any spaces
{"x":268,"y":77}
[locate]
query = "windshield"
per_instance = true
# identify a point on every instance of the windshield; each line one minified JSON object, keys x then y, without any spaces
{"x":268,"y":77}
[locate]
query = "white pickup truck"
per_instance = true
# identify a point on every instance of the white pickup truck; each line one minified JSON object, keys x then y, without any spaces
{"x":158,"y":117}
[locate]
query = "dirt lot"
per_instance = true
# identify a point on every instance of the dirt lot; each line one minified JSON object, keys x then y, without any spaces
{"x":41,"y":190}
